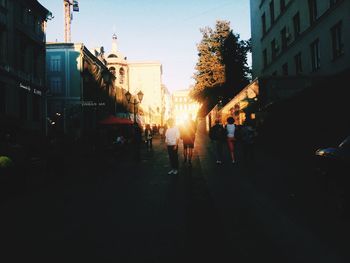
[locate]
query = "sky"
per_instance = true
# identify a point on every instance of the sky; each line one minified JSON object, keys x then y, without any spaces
{"x":167,"y":31}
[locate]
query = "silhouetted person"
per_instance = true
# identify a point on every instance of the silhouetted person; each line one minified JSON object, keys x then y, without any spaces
{"x":148,"y":136}
{"x":188,"y":135}
{"x":217,"y":133}
{"x":247,"y":138}
{"x":172,"y":137}
{"x":230,"y":130}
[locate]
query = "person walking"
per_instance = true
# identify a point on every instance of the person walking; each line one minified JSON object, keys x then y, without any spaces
{"x":148,"y":137}
{"x":217,"y":133}
{"x":230,"y":131}
{"x":172,"y":137}
{"x":188,"y":136}
{"x":248,"y":135}
{"x":161,"y":132}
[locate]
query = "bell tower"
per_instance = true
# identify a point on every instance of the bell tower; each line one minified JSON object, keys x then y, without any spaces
{"x":114,"y":44}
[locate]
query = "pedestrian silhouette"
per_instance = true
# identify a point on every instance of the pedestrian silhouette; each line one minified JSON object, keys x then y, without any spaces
{"x":230,"y":129}
{"x":148,"y":137}
{"x":172,"y":137}
{"x":217,"y":133}
{"x":188,"y":135}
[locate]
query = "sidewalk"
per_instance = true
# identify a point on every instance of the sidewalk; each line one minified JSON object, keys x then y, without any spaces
{"x":283,"y":202}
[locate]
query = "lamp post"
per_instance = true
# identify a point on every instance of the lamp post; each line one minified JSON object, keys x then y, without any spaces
{"x":135,"y":102}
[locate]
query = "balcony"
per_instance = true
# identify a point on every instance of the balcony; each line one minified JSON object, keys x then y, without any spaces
{"x":28,"y":30}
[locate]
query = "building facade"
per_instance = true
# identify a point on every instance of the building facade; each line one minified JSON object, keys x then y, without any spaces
{"x":299,"y":37}
{"x":80,"y":89}
{"x":147,"y":77}
{"x":135,"y":76}
{"x":166,"y":105}
{"x":183,"y":106}
{"x":22,"y":65}
{"x":118,"y":65}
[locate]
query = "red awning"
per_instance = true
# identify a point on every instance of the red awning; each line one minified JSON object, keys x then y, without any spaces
{"x":110,"y":120}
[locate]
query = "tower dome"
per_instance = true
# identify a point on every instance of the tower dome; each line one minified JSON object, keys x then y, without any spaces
{"x":115,"y":54}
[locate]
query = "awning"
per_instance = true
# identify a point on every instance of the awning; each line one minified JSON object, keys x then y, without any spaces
{"x":111,"y":120}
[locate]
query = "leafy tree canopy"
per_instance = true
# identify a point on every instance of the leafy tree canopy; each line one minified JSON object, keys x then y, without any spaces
{"x":221,"y":70}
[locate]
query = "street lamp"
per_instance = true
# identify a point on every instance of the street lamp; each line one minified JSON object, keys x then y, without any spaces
{"x":135,"y":102}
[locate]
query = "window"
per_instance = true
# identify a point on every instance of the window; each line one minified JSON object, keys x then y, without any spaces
{"x":312,"y":11}
{"x":298,"y":63}
{"x":273,"y":49}
{"x":3,"y":45}
{"x":315,"y":55}
{"x":30,"y":19}
{"x":282,"y":6}
{"x":36,"y":108}
{"x":37,"y":26}
{"x":284,"y":38}
{"x":22,"y":13}
{"x":122,"y":75}
{"x":265,"y":58}
{"x":112,"y":70}
{"x":296,"y":25}
{"x":36,"y":62}
{"x":263,"y":22}
{"x":333,"y":2}
{"x":23,"y":105}
{"x":55,"y":65}
{"x":2,"y":98}
{"x":22,"y":55}
{"x":272,"y":12}
{"x":56,"y":85}
{"x":285,"y":69}
{"x":337,"y":41}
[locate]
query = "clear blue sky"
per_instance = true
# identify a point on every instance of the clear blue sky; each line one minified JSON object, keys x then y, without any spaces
{"x":163,"y":30}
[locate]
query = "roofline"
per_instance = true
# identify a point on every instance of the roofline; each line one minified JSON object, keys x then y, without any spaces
{"x":41,"y":8}
{"x":83,"y":49}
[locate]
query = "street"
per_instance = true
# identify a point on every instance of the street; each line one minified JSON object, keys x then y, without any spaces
{"x":106,"y":210}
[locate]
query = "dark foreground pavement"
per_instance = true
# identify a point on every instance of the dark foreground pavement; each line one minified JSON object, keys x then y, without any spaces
{"x":118,"y":210}
{"x":114,"y":210}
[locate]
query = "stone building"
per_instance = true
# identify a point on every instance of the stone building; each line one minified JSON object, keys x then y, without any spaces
{"x":147,"y":77}
{"x":81,"y":89}
{"x":183,"y":105}
{"x":22,"y":65}
{"x":118,"y":65}
{"x":301,"y":62}
{"x":166,"y":105}
{"x":135,"y":76}
{"x":299,"y":44}
{"x":298,"y":37}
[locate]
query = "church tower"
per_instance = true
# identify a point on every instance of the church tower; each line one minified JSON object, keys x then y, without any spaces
{"x":114,"y":44}
{"x":118,"y":66}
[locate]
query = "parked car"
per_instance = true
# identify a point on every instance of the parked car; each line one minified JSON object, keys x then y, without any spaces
{"x":335,"y":157}
{"x":334,"y":164}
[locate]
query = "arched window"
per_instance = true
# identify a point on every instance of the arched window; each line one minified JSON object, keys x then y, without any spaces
{"x":112,"y":56}
{"x":122,"y":75}
{"x":112,"y":70}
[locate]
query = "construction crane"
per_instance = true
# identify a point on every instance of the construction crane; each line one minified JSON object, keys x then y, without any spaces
{"x":68,"y":5}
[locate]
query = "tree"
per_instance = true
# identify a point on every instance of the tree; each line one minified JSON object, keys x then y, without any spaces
{"x":221,"y":70}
